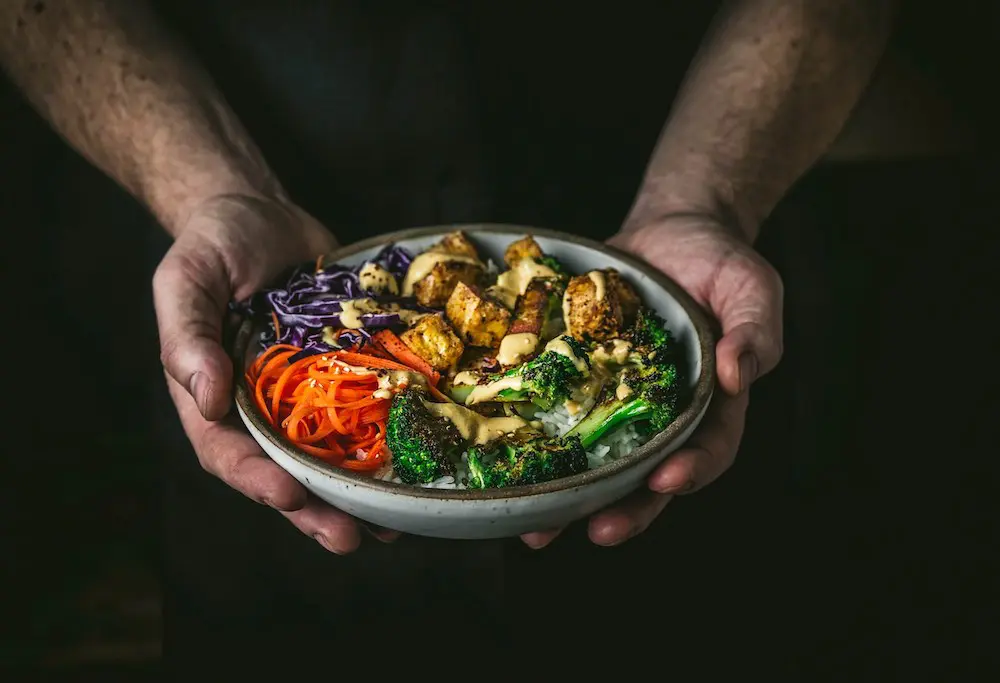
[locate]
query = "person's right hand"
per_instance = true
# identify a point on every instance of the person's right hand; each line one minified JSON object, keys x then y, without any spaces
{"x":229,"y":248}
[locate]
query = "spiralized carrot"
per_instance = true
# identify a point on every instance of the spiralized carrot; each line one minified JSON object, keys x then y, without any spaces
{"x":325,"y":404}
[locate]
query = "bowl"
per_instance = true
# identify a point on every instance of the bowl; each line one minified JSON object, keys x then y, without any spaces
{"x":499,"y":513}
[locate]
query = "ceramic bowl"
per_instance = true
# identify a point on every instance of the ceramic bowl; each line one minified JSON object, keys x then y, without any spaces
{"x":483,"y":514}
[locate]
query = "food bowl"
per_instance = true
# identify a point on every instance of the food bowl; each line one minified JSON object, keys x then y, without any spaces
{"x":504,"y":512}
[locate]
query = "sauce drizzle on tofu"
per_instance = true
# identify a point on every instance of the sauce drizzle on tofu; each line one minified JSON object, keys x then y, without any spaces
{"x":425,"y":262}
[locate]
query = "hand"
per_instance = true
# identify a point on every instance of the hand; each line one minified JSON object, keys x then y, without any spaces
{"x":723,"y":273}
{"x":229,"y":248}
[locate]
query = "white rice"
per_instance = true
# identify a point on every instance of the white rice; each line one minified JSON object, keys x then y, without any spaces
{"x":555,"y":422}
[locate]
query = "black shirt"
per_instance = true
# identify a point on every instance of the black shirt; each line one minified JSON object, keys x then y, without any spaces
{"x":378,"y":116}
{"x":385,"y":115}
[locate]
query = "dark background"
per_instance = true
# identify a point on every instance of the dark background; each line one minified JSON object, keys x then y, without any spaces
{"x":868,"y":455}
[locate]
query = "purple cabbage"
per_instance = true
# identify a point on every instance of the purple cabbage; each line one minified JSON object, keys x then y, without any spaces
{"x":310,"y":300}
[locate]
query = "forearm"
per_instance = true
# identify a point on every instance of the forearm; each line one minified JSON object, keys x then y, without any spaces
{"x":132,"y":101}
{"x":769,"y":91}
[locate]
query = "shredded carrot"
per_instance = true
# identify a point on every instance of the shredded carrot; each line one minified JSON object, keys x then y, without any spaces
{"x":324,"y":404}
{"x":277,"y":325}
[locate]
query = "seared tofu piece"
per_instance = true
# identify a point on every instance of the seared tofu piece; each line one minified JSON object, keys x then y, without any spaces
{"x":627,"y":296}
{"x":529,"y":314}
{"x":434,"y":274}
{"x":456,"y":243}
{"x":441,"y":280}
{"x":478,"y":319}
{"x":526,"y":247}
{"x":591,"y":308}
{"x":433,"y":340}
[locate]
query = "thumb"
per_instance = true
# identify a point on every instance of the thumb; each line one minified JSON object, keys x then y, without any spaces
{"x":751,"y":343}
{"x":191,"y":292}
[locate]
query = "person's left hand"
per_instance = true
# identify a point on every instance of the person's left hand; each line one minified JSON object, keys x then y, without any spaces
{"x":720,"y":269}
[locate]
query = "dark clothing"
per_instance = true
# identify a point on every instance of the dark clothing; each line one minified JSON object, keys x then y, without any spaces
{"x":831,"y":544}
{"x":380,"y":118}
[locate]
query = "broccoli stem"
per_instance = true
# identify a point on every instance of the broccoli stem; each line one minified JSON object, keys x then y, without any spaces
{"x":523,"y":395}
{"x":460,"y":392}
{"x":607,"y":417}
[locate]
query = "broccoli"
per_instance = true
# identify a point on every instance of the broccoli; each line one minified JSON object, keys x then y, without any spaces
{"x":653,"y":381}
{"x":649,"y":331}
{"x":553,"y":263}
{"x":553,"y":317}
{"x":544,"y":380}
{"x":422,"y":445}
{"x":517,"y":462}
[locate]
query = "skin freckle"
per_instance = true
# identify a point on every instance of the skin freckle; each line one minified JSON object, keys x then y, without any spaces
{"x":38,"y":7}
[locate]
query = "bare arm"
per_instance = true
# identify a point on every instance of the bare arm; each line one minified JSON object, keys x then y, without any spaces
{"x":769,"y":91}
{"x":130,"y":99}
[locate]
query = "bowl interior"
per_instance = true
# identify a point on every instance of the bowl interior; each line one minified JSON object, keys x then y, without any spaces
{"x":684,"y":317}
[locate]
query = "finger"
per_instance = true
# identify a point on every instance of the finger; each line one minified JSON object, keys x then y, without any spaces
{"x":381,"y":533}
{"x":537,"y":540}
{"x":334,"y":530}
{"x":751,"y":317}
{"x":709,"y":452}
{"x":230,"y":454}
{"x":191,"y":294}
{"x":627,"y":519}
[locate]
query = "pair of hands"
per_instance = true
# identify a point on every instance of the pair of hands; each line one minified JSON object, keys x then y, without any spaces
{"x":232,"y":246}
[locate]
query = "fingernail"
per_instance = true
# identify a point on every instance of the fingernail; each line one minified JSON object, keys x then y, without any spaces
{"x":748,"y":370}
{"x":381,"y":533}
{"x":675,"y":489}
{"x":199,"y":391}
{"x":321,"y":539}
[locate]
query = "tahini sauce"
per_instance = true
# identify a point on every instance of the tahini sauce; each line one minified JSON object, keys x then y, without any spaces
{"x":514,"y":348}
{"x":475,"y":427}
{"x":425,"y":262}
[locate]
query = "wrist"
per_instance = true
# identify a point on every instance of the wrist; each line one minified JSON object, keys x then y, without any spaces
{"x":665,"y":199}
{"x":174,"y":200}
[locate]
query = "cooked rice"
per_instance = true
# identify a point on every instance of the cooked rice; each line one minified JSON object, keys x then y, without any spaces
{"x":554,"y":423}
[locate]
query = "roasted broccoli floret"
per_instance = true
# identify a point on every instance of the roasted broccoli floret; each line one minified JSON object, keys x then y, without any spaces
{"x":422,"y":445}
{"x":649,"y":331}
{"x":544,"y":380}
{"x":649,"y":390}
{"x":516,"y":462}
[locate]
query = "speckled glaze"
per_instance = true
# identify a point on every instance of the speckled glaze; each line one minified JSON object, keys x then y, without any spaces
{"x":467,"y":514}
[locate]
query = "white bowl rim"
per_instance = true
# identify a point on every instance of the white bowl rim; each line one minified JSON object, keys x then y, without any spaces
{"x":699,"y":398}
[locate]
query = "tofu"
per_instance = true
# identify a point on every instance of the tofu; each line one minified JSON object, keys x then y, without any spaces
{"x":592,"y":314}
{"x":529,"y":315}
{"x":440,"y":268}
{"x":628,"y":298}
{"x":456,"y":243}
{"x":526,"y":247}
{"x":437,"y":285}
{"x":432,"y":339}
{"x":478,"y":319}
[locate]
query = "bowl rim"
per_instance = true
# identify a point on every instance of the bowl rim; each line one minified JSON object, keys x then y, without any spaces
{"x":700,"y":397}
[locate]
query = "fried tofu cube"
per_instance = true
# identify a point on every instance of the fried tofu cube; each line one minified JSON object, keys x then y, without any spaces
{"x":441,"y":280}
{"x":432,"y":339}
{"x":452,"y":260}
{"x":478,"y":319}
{"x":526,"y":247}
{"x":591,"y":308}
{"x":628,"y":298}
{"x":532,"y":306}
{"x":456,"y":243}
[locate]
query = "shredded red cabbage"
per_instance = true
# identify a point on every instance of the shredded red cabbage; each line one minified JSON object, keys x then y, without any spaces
{"x":310,"y":300}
